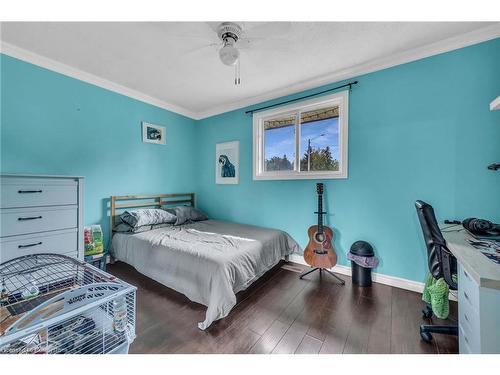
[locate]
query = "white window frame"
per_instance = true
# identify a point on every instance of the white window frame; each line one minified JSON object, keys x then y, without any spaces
{"x":259,"y":173}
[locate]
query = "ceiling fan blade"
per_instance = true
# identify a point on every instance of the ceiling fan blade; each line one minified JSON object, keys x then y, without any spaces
{"x":193,"y":54}
{"x":213,"y":46}
{"x":268,"y":29}
{"x":267,"y":44}
{"x":185,"y":30}
{"x":205,"y":37}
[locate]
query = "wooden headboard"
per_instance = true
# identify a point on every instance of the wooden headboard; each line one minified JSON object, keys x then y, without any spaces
{"x":122,"y":202}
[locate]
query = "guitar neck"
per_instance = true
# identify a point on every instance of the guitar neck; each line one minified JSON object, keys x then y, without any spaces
{"x":320,"y":213}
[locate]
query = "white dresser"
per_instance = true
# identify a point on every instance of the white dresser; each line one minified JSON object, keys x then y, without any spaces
{"x":478,"y":296}
{"x":40,"y":214}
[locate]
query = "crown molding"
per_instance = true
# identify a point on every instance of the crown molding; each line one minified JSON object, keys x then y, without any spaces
{"x":47,"y":63}
{"x":446,"y":45}
{"x":463,"y":40}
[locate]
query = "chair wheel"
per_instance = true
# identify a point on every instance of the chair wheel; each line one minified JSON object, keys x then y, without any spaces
{"x":426,"y":314}
{"x":426,"y":336}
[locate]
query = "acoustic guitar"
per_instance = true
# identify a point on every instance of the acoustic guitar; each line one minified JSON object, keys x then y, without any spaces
{"x":319,"y":252}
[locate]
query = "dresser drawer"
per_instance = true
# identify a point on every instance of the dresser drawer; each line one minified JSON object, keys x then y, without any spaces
{"x":59,"y":242}
{"x":468,"y":289}
{"x":468,"y":320}
{"x":32,"y":192}
{"x":463,"y":342}
{"x":468,"y":317}
{"x":468,"y":343}
{"x":33,"y":220}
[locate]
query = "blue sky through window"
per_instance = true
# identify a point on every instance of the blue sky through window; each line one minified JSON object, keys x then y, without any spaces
{"x":281,"y":141}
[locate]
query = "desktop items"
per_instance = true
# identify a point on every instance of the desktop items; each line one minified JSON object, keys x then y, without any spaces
{"x":482,"y":229}
{"x":490,"y":249}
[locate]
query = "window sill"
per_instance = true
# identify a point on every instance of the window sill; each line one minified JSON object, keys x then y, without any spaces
{"x":300,"y":176}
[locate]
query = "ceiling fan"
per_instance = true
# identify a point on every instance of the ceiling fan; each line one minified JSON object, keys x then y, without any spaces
{"x":232,"y":39}
{"x":229,"y":33}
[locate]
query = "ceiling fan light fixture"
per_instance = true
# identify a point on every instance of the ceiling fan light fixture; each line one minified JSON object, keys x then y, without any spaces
{"x":229,"y":33}
{"x":229,"y":54}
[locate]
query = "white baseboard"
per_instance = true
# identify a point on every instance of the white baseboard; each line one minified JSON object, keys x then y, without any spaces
{"x":380,"y":278}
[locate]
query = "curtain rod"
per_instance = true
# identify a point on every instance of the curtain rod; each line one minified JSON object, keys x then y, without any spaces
{"x":302,"y":97}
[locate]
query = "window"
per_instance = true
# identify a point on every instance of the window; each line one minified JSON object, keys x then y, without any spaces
{"x":306,"y":140}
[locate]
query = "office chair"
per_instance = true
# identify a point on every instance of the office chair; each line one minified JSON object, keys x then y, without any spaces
{"x":441,"y":264}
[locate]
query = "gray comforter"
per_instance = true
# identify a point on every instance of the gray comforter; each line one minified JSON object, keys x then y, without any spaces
{"x":208,"y":261}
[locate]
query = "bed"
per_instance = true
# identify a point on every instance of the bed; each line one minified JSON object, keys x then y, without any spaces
{"x":208,"y":261}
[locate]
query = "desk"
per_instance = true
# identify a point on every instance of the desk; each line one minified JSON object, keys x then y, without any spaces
{"x":478,"y":294}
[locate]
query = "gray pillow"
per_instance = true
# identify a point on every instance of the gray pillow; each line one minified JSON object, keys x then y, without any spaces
{"x":125,"y":228}
{"x":185,"y":214}
{"x":147,"y":216}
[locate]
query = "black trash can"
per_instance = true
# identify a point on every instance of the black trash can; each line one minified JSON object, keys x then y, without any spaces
{"x":361,"y":276}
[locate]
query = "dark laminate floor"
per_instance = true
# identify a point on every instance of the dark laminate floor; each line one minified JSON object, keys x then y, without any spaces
{"x":283,"y":314}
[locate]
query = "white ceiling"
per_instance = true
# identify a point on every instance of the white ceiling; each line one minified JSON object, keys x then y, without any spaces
{"x":169,"y":63}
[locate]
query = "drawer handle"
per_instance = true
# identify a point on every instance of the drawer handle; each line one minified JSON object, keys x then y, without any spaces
{"x":29,"y":218}
{"x":466,"y":274}
{"x":29,"y":191}
{"x":466,"y":296}
{"x":466,"y":339}
{"x":29,"y":245}
{"x":466,"y":317}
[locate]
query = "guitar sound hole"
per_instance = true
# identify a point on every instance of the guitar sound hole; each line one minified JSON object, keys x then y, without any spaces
{"x":320,"y":237}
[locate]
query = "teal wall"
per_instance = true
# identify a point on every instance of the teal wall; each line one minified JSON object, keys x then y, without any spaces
{"x":421,"y":130}
{"x":53,"y":124}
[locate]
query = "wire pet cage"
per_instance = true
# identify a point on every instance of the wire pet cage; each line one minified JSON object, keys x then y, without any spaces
{"x":54,"y":304}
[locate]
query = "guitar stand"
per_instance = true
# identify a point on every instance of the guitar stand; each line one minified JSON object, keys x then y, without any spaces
{"x":341,"y":282}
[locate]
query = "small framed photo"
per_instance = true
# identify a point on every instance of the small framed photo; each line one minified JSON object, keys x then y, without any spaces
{"x":227,"y":163}
{"x":153,"y":134}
